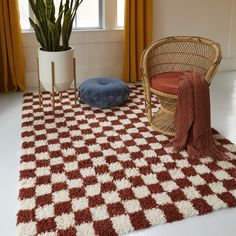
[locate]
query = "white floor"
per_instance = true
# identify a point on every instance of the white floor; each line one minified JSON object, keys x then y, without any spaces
{"x":222,"y":222}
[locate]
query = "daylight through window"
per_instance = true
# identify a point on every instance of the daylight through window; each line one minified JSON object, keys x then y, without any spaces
{"x":120,"y":13}
{"x":89,"y":14}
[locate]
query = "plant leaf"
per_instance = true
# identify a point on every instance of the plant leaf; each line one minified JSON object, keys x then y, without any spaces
{"x":51,"y":30}
{"x":38,"y":33}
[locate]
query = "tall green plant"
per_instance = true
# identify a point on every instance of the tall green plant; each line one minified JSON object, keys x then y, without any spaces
{"x":53,"y":33}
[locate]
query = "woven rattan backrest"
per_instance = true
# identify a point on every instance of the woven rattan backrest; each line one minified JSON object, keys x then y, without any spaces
{"x":181,"y":53}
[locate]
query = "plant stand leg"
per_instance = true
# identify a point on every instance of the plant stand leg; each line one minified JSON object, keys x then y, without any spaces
{"x":53,"y":85}
{"x":74,"y":67}
{"x":39,"y":84}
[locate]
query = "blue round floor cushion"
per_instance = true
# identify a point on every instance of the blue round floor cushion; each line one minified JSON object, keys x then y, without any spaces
{"x":104,"y":92}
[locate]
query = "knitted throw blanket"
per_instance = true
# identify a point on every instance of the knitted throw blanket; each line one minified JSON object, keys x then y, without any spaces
{"x":192,"y":118}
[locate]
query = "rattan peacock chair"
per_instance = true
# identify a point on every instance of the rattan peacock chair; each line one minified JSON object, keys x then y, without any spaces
{"x":162,"y":66}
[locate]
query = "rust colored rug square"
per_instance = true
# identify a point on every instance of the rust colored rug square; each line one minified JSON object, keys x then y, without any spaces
{"x":87,"y":171}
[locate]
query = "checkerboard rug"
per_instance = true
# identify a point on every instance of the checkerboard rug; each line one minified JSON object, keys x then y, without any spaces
{"x":87,"y":171}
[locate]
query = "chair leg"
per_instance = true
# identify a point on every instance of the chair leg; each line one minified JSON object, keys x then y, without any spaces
{"x":148,"y":104}
{"x":163,"y":120}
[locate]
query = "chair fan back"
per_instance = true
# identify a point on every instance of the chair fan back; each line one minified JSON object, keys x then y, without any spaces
{"x":182,"y":54}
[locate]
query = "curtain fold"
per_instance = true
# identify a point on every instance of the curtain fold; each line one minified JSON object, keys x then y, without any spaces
{"x":12,"y":68}
{"x":138,"y":31}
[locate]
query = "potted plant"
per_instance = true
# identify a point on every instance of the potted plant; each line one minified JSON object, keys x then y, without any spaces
{"x":53,"y":33}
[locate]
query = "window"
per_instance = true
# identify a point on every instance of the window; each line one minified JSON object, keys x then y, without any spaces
{"x":120,"y":13}
{"x":90,"y":14}
{"x":24,"y":14}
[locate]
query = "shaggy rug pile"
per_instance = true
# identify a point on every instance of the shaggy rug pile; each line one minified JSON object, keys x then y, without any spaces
{"x":86,"y":171}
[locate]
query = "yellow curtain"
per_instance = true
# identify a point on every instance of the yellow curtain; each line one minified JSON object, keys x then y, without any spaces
{"x":137,"y":35}
{"x":12,"y":69}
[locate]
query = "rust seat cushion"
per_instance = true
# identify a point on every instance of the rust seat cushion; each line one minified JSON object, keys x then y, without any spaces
{"x":167,"y":82}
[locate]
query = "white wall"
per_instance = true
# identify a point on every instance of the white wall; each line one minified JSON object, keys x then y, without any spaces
{"x":99,"y":53}
{"x":214,"y":19}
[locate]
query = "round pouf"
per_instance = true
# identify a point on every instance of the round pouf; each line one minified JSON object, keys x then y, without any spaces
{"x":104,"y":92}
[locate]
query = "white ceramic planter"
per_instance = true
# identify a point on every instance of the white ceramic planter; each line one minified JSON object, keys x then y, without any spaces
{"x":63,"y":68}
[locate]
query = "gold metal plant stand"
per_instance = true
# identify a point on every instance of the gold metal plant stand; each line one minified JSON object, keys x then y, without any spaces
{"x":53,"y":83}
